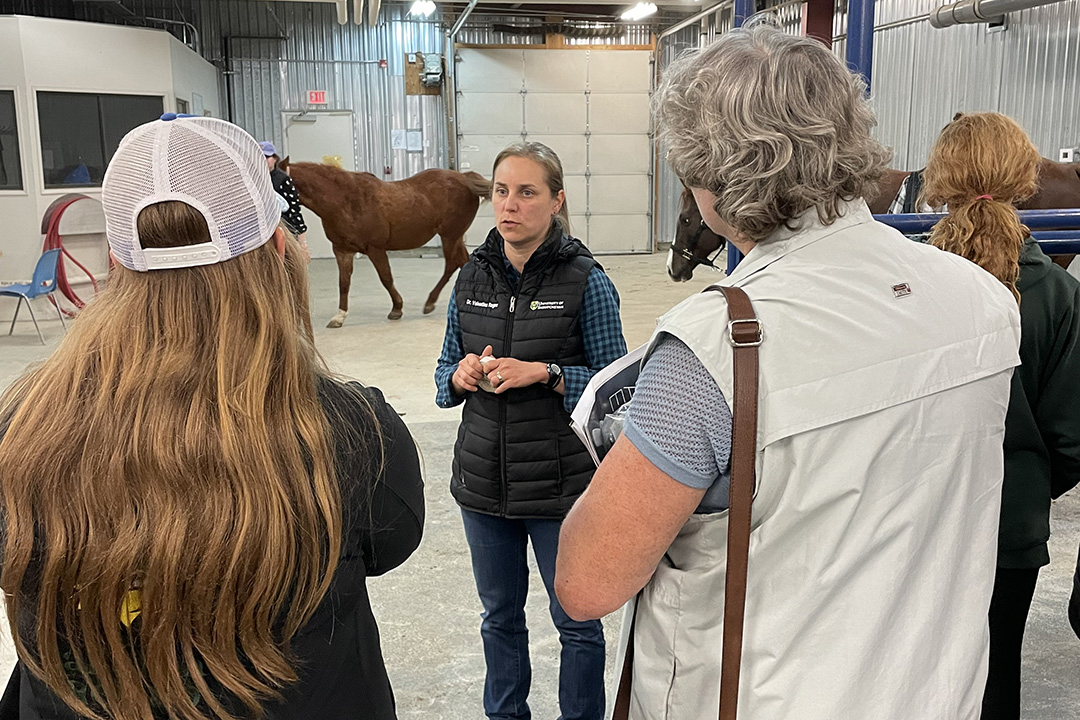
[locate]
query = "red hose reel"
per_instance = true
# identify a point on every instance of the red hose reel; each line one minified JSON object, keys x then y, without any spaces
{"x":50,"y":227}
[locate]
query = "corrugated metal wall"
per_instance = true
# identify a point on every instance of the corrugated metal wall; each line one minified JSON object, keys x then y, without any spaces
{"x":267,"y":74}
{"x":344,"y":61}
{"x":923,"y":76}
{"x":272,"y":53}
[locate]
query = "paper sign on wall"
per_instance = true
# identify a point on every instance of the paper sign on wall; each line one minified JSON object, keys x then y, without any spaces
{"x":397,"y":140}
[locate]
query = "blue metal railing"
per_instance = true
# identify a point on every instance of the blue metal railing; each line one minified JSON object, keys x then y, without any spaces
{"x":1034,"y":219}
{"x":1056,"y":231}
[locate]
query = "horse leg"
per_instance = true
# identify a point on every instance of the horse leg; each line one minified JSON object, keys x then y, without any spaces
{"x":382,"y":266}
{"x":345,"y":268}
{"x":455,"y":256}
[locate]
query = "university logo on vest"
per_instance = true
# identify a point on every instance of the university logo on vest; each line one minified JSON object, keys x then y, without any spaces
{"x":481,"y":304}
{"x":546,"y":305}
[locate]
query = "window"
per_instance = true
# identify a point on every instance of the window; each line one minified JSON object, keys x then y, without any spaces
{"x":81,"y":131}
{"x":181,"y":106}
{"x":10,"y":167}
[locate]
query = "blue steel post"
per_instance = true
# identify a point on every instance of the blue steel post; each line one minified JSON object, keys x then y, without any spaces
{"x":743,"y":10}
{"x":860,"y":38}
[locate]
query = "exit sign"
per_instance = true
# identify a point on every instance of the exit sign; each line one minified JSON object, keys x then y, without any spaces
{"x":316,"y":97}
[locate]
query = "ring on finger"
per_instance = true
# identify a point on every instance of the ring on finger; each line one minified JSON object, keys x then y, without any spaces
{"x":498,"y":374}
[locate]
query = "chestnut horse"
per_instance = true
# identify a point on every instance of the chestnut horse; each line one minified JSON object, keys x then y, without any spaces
{"x":695,"y":244}
{"x":362,"y":214}
{"x":1059,"y":187}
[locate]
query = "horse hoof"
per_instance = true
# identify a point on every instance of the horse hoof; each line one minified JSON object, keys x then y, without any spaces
{"x":429,"y":308}
{"x":335,"y":323}
{"x":394,"y":315}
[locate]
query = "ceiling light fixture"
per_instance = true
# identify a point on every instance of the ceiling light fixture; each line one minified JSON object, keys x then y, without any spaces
{"x":639,"y":11}
{"x":422,"y":8}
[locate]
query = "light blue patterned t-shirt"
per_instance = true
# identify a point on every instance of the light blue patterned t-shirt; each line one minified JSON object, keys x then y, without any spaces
{"x":679,"y":420}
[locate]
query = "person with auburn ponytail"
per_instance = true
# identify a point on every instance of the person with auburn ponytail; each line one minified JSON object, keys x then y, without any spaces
{"x":980,"y":166}
{"x":191,"y":503}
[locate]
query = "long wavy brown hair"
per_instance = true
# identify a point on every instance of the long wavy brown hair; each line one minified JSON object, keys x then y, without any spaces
{"x":171,"y":458}
{"x":984,"y":154}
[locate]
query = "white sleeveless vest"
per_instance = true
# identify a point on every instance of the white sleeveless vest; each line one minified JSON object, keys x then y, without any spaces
{"x":885,"y":373}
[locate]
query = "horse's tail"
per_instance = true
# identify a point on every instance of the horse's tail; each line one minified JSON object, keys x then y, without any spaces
{"x":478,"y":185}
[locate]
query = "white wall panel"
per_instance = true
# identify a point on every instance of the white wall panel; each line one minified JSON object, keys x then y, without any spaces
{"x":619,"y":154}
{"x":619,"y":233}
{"x":478,"y":152}
{"x":496,"y":113}
{"x":563,"y":113}
{"x":579,"y":228}
{"x":489,"y":70}
{"x":601,"y":137}
{"x":620,"y":72}
{"x":555,"y":70}
{"x":576,"y":188}
{"x":618,"y":113}
{"x":619,"y":194}
{"x":571,"y":149}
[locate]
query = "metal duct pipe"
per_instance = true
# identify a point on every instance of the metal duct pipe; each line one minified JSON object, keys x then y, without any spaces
{"x":978,"y":11}
{"x":461,"y":19}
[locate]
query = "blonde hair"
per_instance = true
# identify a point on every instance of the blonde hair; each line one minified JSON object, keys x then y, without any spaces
{"x":771,"y":124}
{"x":546,"y":158}
{"x":171,"y":458}
{"x":985,"y":154}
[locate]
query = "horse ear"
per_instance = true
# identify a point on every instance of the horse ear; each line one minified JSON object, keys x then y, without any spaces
{"x":283,"y":165}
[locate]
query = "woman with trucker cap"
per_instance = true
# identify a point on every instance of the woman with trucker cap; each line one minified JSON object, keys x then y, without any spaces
{"x":191,"y":504}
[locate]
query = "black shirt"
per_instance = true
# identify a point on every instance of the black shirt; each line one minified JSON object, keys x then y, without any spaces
{"x":283,"y":186}
{"x":341,"y":668}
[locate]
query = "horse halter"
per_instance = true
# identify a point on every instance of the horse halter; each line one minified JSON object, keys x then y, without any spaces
{"x":686,"y":254}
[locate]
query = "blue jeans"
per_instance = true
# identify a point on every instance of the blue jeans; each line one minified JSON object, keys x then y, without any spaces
{"x":498,"y":548}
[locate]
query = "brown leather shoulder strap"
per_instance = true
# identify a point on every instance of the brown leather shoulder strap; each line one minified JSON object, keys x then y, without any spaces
{"x":745,"y":334}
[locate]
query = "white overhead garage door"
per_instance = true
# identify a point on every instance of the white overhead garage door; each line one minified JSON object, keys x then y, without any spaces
{"x":591,"y":107}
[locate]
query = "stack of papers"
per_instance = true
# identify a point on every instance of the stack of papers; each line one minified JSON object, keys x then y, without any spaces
{"x":607,"y":392}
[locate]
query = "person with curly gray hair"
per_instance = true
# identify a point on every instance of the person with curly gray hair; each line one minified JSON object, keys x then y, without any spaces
{"x":885,"y":369}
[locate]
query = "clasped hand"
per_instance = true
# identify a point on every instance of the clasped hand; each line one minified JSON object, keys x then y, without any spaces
{"x":503,"y":373}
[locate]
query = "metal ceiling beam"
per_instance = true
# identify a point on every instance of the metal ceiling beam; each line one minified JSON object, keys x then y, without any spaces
{"x":692,"y":19}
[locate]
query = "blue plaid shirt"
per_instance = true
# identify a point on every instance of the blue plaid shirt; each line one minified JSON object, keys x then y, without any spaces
{"x":601,"y":331}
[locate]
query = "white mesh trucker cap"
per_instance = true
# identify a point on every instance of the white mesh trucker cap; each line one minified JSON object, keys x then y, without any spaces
{"x":210,"y":164}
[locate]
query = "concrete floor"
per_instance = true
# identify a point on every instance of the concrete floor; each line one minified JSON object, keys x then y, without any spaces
{"x":428,"y":610}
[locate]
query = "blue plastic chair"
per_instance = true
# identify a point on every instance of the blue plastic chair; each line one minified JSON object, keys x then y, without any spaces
{"x":44,"y":283}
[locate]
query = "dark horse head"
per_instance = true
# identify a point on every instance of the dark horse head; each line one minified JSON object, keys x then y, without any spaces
{"x":695,"y":244}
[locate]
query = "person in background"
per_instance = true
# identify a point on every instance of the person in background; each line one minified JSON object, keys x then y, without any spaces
{"x":532,"y":318}
{"x":981,"y":166}
{"x":194,"y":539}
{"x":283,"y":186}
{"x":884,"y":378}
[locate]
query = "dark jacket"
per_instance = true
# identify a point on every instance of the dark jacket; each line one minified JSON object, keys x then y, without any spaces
{"x":516,"y":455}
{"x":1042,"y":425}
{"x":341,"y":668}
{"x":283,"y":186}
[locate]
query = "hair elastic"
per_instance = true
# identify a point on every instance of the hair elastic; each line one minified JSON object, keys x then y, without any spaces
{"x":984,"y":197}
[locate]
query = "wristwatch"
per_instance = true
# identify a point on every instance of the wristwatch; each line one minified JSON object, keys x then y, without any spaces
{"x":554,"y":376}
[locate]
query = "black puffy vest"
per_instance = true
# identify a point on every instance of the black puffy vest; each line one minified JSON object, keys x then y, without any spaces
{"x":516,"y":455}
